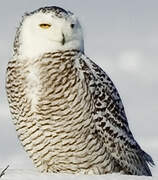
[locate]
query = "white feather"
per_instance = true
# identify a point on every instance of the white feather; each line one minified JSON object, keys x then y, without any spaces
{"x":34,"y":41}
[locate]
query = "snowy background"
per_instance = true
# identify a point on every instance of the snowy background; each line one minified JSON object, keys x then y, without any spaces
{"x":122,"y":37}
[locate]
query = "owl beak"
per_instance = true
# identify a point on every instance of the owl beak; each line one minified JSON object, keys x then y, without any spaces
{"x":63,"y":40}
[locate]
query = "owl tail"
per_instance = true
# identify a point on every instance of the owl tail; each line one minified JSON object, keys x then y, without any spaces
{"x":148,"y":161}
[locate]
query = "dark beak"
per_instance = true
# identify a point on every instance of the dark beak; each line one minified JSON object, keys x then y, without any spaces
{"x":63,"y":40}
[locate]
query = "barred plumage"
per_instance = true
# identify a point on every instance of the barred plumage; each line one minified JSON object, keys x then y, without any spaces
{"x":68,"y":114}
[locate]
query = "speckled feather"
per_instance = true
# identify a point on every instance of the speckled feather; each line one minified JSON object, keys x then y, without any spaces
{"x":68,"y":114}
{"x":78,"y":123}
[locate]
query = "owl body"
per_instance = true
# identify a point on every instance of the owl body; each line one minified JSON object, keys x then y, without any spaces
{"x":55,"y":125}
{"x":68,"y":114}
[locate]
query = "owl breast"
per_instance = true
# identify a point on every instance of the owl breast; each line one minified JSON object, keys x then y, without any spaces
{"x":32,"y":84}
{"x":54,"y":121}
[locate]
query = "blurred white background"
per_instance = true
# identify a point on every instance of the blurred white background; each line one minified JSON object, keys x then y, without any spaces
{"x":122,"y":37}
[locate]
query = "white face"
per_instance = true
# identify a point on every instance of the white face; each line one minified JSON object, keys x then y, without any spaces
{"x":42,"y":33}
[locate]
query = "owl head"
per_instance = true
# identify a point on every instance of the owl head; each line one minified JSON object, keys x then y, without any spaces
{"x":48,"y":29}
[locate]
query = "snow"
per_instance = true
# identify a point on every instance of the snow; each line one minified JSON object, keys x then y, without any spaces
{"x":33,"y":175}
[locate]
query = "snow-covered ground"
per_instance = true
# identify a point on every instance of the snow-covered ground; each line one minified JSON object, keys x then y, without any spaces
{"x":33,"y":175}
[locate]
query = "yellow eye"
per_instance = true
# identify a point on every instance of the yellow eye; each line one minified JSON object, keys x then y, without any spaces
{"x":45,"y":26}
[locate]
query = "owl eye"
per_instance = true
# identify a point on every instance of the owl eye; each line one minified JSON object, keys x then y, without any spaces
{"x":72,"y":26}
{"x":45,"y":26}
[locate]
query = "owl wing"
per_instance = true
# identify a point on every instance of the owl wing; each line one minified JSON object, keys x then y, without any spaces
{"x":111,"y":123}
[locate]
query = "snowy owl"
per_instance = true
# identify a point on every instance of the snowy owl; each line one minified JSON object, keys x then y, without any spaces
{"x":68,"y":114}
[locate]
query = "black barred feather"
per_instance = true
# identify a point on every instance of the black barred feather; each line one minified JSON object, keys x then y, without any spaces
{"x":111,"y":122}
{"x":70,"y":118}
